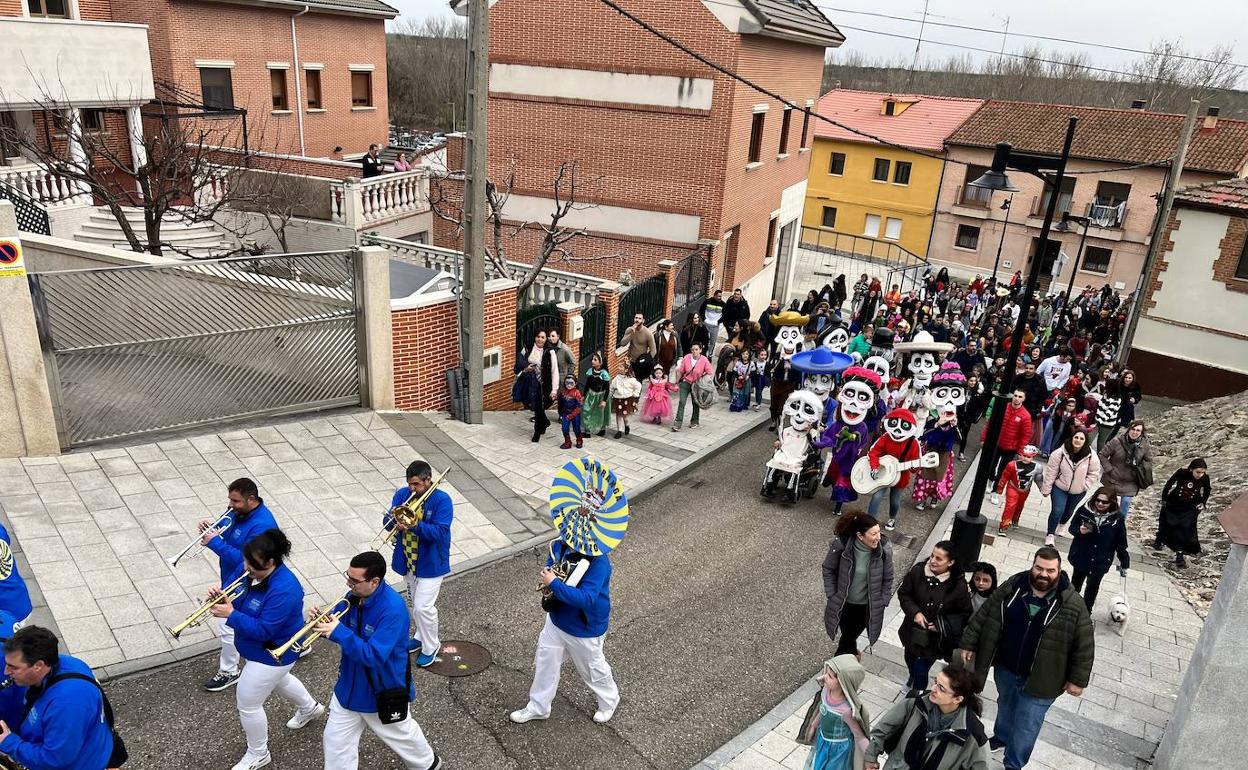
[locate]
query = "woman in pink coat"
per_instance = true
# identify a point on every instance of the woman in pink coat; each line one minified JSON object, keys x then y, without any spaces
{"x":691,"y":367}
{"x":1073,"y":470}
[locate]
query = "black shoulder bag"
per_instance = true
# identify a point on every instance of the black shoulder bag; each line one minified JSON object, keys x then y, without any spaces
{"x":119,"y":756}
{"x":392,"y":703}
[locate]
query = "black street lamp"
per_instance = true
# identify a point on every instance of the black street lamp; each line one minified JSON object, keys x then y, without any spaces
{"x":1064,"y":227}
{"x":1005,"y":206}
{"x":969,"y":525}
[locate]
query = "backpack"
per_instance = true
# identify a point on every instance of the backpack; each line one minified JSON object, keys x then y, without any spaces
{"x":119,"y":755}
{"x":703,"y":391}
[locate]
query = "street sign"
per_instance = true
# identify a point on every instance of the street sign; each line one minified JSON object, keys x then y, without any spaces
{"x":11,"y":263}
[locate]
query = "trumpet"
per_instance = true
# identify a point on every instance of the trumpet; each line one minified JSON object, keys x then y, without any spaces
{"x":308,"y":635}
{"x":229,"y":593}
{"x":195,"y":547}
{"x":408,"y":513}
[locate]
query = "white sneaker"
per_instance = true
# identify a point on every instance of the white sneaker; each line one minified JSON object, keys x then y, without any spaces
{"x":604,"y":715}
{"x":300,"y":719}
{"x":891,"y":525}
{"x":918,"y":506}
{"x":524,"y":715}
{"x":1049,"y":540}
{"x":253,"y":761}
{"x":995,"y":498}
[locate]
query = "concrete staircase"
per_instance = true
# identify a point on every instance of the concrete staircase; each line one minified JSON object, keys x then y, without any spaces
{"x":201,"y":240}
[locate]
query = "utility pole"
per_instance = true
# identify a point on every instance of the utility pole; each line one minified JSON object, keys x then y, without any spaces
{"x":1159,"y":229}
{"x":472,"y":288}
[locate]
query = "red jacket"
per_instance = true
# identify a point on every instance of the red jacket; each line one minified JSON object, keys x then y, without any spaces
{"x":904,"y":451}
{"x":1015,"y":431}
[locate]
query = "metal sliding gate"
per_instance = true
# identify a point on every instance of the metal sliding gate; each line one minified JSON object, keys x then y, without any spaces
{"x":135,"y":350}
{"x":693,"y":279}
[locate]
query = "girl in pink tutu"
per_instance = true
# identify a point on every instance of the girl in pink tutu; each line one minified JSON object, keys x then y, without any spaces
{"x":657,"y":404}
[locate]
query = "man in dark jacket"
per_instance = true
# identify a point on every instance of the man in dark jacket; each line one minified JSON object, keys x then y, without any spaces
{"x":735,"y":309}
{"x":1036,"y":633}
{"x":967,"y":357}
{"x":769,"y":330}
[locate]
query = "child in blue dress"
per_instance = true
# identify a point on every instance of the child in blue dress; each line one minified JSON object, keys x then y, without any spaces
{"x":840,"y":734}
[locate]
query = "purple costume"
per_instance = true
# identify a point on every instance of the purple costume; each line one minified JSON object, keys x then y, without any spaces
{"x":845,"y":444}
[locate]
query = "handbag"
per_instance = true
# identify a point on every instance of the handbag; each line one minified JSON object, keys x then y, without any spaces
{"x":119,"y":755}
{"x":1143,"y":475}
{"x":703,"y":391}
{"x":392,"y":703}
{"x":810,"y":723}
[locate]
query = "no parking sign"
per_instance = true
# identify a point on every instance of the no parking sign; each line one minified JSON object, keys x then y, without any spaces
{"x":11,"y":263}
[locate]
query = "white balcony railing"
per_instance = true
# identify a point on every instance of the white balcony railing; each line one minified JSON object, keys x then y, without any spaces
{"x":359,"y":203}
{"x":42,"y":185}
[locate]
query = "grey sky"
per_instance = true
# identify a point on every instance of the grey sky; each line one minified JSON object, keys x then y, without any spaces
{"x":1199,"y":24}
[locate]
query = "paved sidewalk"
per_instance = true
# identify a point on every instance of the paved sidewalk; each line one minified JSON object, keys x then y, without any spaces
{"x":1117,"y":723}
{"x":93,"y":528}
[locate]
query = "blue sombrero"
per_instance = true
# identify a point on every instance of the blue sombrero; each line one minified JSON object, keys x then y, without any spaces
{"x":821,"y":361}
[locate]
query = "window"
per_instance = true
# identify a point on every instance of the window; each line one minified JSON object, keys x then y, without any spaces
{"x":901,"y":174}
{"x":217,"y":88}
{"x":836,"y":167}
{"x":872,"y":227}
{"x":361,"y":89}
{"x":54,"y":8}
{"x":880,"y":174}
{"x":771,"y":239}
{"x":1109,"y":207}
{"x":968,"y":237}
{"x":277,"y":81}
{"x":806,"y":128}
{"x":1241,"y":270}
{"x":1096,"y":259}
{"x":92,"y":121}
{"x":974,"y":196}
{"x":756,"y":137}
{"x":1051,"y":254}
{"x":1064,"y":197}
{"x":785,"y":121}
{"x":313,"y":80}
{"x":892,"y":229}
{"x":890,"y":107}
{"x":829,"y":216}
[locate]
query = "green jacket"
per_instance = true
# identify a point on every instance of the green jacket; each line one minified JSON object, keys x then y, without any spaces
{"x":860,"y":345}
{"x":1066,"y":648}
{"x":968,"y":744}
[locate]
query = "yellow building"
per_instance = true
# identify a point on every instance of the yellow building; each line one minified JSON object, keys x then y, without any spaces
{"x":860,"y":187}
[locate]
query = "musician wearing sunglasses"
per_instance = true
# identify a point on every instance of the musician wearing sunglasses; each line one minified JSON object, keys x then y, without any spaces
{"x":268,"y":612}
{"x":248,"y":517}
{"x":374,"y":685}
{"x":422,"y":555}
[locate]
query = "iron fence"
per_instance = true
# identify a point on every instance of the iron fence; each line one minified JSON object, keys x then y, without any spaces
{"x":646,"y":297}
{"x":693,"y":279}
{"x":594,"y":335}
{"x":824,"y":254}
{"x":530,"y":320}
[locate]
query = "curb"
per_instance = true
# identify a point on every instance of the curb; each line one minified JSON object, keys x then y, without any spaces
{"x":738,"y":744}
{"x":649,"y":485}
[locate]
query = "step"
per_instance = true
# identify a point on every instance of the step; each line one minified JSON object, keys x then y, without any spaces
{"x":95,"y":231}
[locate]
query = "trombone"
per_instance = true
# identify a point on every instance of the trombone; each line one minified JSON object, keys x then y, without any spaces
{"x":408,"y":513}
{"x":229,"y":593}
{"x":195,"y":547}
{"x":308,"y":635}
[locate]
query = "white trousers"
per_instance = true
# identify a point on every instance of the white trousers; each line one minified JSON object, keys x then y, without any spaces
{"x":344,"y":727}
{"x":423,"y":593}
{"x":553,"y":646}
{"x":255,"y":685}
{"x":230,"y":659}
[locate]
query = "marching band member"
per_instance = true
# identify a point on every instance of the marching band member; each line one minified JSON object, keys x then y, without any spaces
{"x":423,"y":556}
{"x":249,"y":516}
{"x":575,"y":627}
{"x":374,"y":684}
{"x":14,"y":597}
{"x":269,"y":610}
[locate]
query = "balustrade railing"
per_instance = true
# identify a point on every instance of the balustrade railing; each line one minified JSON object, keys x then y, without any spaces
{"x":44,"y":186}
{"x":370,"y":201}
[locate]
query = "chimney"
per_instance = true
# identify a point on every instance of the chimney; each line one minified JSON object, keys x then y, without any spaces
{"x":1139,"y":104}
{"x":1211,"y":118}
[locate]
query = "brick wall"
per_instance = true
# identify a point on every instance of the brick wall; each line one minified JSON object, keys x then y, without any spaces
{"x":1153,"y":285}
{"x":1230,"y":250}
{"x":426,"y":345}
{"x":182,"y":32}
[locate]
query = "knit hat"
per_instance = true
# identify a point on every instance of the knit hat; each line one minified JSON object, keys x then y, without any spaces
{"x":863,"y":374}
{"x":949,"y":374}
{"x":903,"y":413}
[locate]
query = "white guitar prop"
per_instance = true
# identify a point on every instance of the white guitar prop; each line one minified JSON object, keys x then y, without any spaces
{"x":890,"y":471}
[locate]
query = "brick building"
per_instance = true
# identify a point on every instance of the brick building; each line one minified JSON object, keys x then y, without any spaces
{"x":673,"y":155}
{"x":311,"y":75}
{"x":1107,"y":185}
{"x":1192,"y":340}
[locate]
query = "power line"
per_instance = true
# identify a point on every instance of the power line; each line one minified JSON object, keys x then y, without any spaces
{"x":1107,"y":46}
{"x":813,"y":113}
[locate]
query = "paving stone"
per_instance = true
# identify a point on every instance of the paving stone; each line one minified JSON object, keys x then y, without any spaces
{"x":144,"y":565}
{"x":68,"y":511}
{"x":96,"y":499}
{"x":299,"y":470}
{"x":16,"y":505}
{"x":125,"y":610}
{"x":97,"y":659}
{"x":46,"y":474}
{"x":80,"y":533}
{"x":145,"y":503}
{"x":89,"y":633}
{"x":159,"y":470}
{"x":223,"y":461}
{"x":118,"y":466}
{"x":11,"y":486}
{"x":54,"y":575}
{"x":173,"y":489}
{"x":97,"y":554}
{"x":139,"y":641}
{"x":132,"y":484}
{"x":71,"y":603}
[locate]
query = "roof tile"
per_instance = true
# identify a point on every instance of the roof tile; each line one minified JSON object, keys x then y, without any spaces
{"x":1227,"y":194}
{"x":924,"y":125}
{"x":1115,"y":135}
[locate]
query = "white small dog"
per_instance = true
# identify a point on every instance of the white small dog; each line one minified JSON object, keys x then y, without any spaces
{"x":1119,"y":612}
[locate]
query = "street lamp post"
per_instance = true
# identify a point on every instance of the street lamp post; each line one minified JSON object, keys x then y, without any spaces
{"x":969,"y":525}
{"x":1064,"y":226}
{"x":1005,"y":206}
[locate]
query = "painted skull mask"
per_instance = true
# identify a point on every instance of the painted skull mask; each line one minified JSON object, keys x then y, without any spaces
{"x":923,"y":366}
{"x":789,"y":340}
{"x":880,"y":365}
{"x":803,"y":410}
{"x":819,"y":384}
{"x":837,"y":339}
{"x":946,"y":397}
{"x":898,"y":428}
{"x":856,"y":399}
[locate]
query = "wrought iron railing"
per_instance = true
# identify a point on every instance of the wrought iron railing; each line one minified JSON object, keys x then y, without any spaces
{"x":646,"y":297}
{"x":594,"y":335}
{"x":823,"y":254}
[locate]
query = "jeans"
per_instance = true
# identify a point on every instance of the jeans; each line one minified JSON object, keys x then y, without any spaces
{"x":894,"y":501}
{"x":1019,"y":718}
{"x":1124,"y":505}
{"x":685,"y":389}
{"x":920,"y":670}
{"x":1063,"y":507}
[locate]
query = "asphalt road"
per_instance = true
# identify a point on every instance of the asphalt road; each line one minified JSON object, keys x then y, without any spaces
{"x":717,"y":617}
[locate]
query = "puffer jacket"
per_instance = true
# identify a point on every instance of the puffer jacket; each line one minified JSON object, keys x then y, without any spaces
{"x":945,"y":603}
{"x":1094,"y":552}
{"x":967,"y":740}
{"x":1070,"y":477}
{"x":1015,"y":429}
{"x":838,"y":572}
{"x":1117,"y":468}
{"x":1066,"y":650}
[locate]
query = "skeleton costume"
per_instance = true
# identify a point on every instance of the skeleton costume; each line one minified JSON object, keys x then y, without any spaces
{"x":880,"y":360}
{"x":784,"y":377}
{"x":820,"y":368}
{"x":947,"y":393}
{"x":799,"y":427}
{"x":922,"y":363}
{"x":846,"y":434}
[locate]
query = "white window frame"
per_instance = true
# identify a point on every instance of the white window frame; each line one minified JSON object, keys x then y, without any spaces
{"x":866,"y":225}
{"x":888,"y":226}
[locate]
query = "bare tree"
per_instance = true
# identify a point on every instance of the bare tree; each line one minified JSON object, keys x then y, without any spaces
{"x":425,"y":72}
{"x":273,"y":200}
{"x":557,"y":238}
